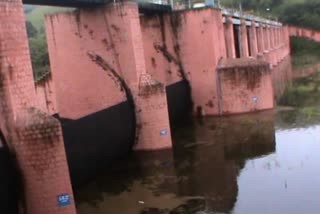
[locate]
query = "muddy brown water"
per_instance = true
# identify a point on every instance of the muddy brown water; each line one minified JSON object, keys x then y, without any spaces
{"x":260,"y":163}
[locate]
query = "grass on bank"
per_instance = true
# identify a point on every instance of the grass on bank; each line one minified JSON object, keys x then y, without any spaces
{"x":305,"y":52}
{"x":302,"y":92}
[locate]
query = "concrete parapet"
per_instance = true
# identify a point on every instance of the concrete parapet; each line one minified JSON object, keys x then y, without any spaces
{"x":244,"y":49}
{"x":303,"y":32}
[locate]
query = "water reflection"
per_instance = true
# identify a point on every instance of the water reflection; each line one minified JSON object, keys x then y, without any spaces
{"x":288,"y":180}
{"x":299,"y":105}
{"x":284,"y":182}
{"x":199,"y":175}
{"x":262,"y":163}
{"x":281,"y":76}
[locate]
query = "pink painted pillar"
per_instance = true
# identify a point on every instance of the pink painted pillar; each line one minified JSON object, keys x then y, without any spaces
{"x":279,"y":42}
{"x":200,"y":68}
{"x":244,"y":52}
{"x":265,"y":39}
{"x":268,"y":38}
{"x":253,"y":39}
{"x":33,"y":136}
{"x":261,"y":38}
{"x":153,"y":123}
{"x":278,"y":51}
{"x":281,"y":35}
{"x":277,"y":36}
{"x":272,"y":46}
{"x":229,"y":37}
{"x":272,"y":42}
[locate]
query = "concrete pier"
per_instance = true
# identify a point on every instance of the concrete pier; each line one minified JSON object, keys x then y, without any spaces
{"x":34,"y":137}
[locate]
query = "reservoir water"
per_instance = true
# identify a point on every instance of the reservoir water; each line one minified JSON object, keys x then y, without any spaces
{"x":260,"y":163}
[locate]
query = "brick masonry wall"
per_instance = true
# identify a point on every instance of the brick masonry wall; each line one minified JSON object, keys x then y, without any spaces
{"x":187,"y":45}
{"x":245,"y":86}
{"x":46,"y":95}
{"x":16,"y":57}
{"x":42,"y":157}
{"x":168,"y":50}
{"x":26,"y":132}
{"x":152,"y":113}
{"x":41,"y":96}
{"x":81,"y":87}
{"x":161,"y":58}
{"x":93,"y":53}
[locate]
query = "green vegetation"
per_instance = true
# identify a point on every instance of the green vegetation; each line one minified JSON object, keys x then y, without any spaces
{"x":304,"y":96}
{"x":36,"y":16}
{"x":305,"y":52}
{"x":37,"y":38}
{"x":302,"y":92}
{"x":304,"y":13}
{"x":39,"y":56}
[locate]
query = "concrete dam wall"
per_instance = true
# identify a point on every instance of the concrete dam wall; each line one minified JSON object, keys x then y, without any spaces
{"x":119,"y":80}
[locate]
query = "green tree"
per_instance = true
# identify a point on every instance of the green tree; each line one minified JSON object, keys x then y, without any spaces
{"x":31,"y":30}
{"x":305,"y":14}
{"x":39,"y":56}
